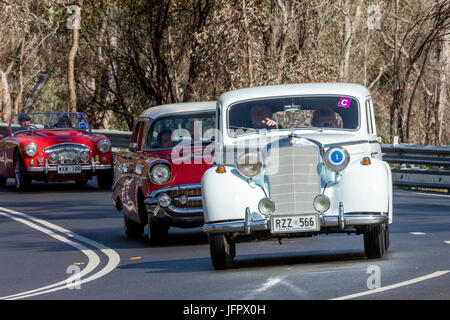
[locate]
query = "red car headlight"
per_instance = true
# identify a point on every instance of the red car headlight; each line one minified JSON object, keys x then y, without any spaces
{"x":104,"y":146}
{"x":160,"y":173}
{"x":31,"y":149}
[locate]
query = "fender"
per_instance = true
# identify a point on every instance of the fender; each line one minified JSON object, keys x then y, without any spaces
{"x":231,"y":205}
{"x":363,"y":188}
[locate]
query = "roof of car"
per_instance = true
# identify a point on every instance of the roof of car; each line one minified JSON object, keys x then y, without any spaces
{"x":344,"y":89}
{"x":175,"y":108}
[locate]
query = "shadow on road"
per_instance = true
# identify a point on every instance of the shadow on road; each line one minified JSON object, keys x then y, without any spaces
{"x":246,"y":261}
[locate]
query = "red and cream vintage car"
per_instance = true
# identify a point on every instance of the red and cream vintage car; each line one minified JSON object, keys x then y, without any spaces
{"x":54,"y":146}
{"x":157,"y":182}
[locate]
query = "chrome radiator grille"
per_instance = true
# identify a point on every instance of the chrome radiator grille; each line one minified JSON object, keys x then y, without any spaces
{"x":296,"y":182}
{"x":66,"y":152}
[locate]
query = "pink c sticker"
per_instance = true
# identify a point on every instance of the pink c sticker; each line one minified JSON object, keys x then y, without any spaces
{"x":344,"y":102}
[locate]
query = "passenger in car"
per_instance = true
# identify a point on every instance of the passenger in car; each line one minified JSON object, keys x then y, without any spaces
{"x":164,"y":139}
{"x":325,"y":117}
{"x":64,"y":122}
{"x":261,"y":116}
{"x":24,"y":121}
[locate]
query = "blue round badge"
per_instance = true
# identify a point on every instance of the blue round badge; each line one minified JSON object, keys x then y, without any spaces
{"x":83,"y":125}
{"x":337,"y":156}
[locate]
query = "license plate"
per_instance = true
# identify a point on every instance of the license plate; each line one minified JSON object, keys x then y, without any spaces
{"x":69,"y":169}
{"x":302,"y":223}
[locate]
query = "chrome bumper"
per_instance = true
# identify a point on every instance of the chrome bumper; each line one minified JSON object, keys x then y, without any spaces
{"x":85,"y":167}
{"x":340,"y":221}
{"x":152,"y":202}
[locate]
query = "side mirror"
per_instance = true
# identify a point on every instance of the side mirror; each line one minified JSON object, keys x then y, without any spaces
{"x":133,"y":146}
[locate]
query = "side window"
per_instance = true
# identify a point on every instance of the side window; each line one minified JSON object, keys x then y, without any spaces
{"x":369,"y":118}
{"x":218,"y":118}
{"x":137,"y":133}
{"x":372,"y":114}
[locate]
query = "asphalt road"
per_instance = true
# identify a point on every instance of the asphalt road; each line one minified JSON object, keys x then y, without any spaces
{"x":55,"y":231}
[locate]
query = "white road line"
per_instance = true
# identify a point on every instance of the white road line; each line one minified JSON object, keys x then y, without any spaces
{"x":417,"y":233}
{"x":271,"y":282}
{"x":94,"y":260}
{"x":394,"y":286}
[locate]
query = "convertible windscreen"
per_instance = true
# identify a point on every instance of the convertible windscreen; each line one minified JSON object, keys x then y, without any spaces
{"x":49,"y":121}
{"x":339,"y":112}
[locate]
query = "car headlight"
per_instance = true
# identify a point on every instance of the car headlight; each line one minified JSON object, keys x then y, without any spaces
{"x":84,"y":157}
{"x":321,"y":203}
{"x":31,"y":149}
{"x":336,"y":159}
{"x":104,"y":146}
{"x":160,"y":173}
{"x":249,"y":164}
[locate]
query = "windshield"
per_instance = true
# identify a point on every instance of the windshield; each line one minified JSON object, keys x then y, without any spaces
{"x":335,"y":112}
{"x":187,"y":129}
{"x":49,"y":121}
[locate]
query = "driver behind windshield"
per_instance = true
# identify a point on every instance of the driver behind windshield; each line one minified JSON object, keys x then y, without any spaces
{"x":64,"y":122}
{"x":325,"y":118}
{"x":261,"y":116}
{"x":24,"y":121}
{"x":164,"y":139}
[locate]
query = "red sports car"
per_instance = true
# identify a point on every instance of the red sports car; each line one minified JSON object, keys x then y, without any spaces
{"x":54,"y":146}
{"x":158,"y":181}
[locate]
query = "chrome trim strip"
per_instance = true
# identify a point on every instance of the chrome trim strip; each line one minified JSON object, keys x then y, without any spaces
{"x":341,"y":217}
{"x":192,"y":198}
{"x":174,"y":209}
{"x":349,"y":143}
{"x":355,"y":220}
{"x":175,"y":188}
{"x":236,"y":226}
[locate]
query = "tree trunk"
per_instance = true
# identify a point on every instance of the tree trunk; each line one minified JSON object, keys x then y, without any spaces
{"x":348,"y":32}
{"x":18,"y":99}
{"x":6,"y":112}
{"x":71,"y":59}
{"x":37,"y":89}
{"x":249,"y":61}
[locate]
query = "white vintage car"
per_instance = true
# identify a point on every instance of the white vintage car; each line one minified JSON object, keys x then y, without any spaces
{"x":296,"y":160}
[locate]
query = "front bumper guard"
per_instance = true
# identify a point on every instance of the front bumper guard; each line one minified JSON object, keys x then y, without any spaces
{"x":84,"y":167}
{"x":341,"y":221}
{"x":152,"y":201}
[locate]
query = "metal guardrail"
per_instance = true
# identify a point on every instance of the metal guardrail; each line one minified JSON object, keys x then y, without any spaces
{"x":419,"y":166}
{"x":405,"y":160}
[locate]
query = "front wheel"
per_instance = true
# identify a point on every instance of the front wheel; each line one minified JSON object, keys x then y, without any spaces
{"x":375,"y":241}
{"x":22,"y":179}
{"x":132,"y":228}
{"x":157,"y":231}
{"x":105,"y":180}
{"x":222,"y":249}
{"x":3,"y":181}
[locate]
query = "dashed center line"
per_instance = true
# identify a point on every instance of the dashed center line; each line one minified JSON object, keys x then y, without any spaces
{"x":417,"y":233}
